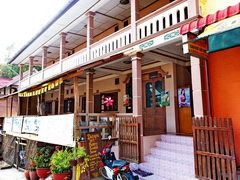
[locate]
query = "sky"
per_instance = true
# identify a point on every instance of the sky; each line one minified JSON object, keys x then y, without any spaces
{"x":21,"y":20}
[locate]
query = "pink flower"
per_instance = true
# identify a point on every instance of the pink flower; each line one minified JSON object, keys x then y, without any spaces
{"x":57,"y":148}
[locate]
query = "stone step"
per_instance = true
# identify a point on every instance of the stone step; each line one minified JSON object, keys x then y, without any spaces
{"x":184,"y":169}
{"x":174,"y":147}
{"x":186,"y":158}
{"x":185,"y":140}
{"x":166,"y":172}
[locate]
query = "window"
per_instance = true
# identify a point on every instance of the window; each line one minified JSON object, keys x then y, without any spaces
{"x":69,"y":105}
{"x":125,"y":23}
{"x":48,"y":107}
{"x":116,"y":28}
{"x":158,"y":91}
{"x":149,"y":95}
{"x":114,"y":97}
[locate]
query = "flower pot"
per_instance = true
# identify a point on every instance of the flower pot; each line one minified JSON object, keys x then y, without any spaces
{"x":26,"y":174}
{"x":43,"y":172}
{"x":80,"y":160}
{"x":33,"y":175}
{"x":73,"y":162}
{"x":61,"y":176}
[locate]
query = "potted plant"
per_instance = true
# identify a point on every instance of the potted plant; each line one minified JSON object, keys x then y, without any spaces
{"x":26,"y":174}
{"x":42,"y":159}
{"x":79,"y":154}
{"x":32,"y":173}
{"x":60,"y":164}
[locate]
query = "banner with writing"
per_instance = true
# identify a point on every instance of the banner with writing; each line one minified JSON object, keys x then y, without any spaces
{"x":93,"y":146}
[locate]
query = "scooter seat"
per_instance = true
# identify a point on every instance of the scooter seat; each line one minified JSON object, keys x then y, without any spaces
{"x":119,"y":163}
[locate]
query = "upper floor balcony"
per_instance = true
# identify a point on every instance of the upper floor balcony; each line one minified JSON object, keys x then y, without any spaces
{"x":155,"y":27}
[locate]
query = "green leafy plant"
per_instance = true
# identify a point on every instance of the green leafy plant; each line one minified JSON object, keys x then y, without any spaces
{"x":43,"y":157}
{"x":60,"y":161}
{"x":79,"y":152}
{"x":32,"y":166}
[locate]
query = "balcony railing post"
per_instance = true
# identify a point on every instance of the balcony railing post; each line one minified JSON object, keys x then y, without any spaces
{"x":90,"y":31}
{"x":63,"y":36}
{"x":134,"y":18}
{"x":193,"y":8}
{"x":44,"y":59}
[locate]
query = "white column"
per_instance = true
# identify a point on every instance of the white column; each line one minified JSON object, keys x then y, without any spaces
{"x":198,"y":109}
{"x":134,"y":18}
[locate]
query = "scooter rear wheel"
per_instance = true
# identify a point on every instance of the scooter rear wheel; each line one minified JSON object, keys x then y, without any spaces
{"x":103,"y":172}
{"x":124,"y":177}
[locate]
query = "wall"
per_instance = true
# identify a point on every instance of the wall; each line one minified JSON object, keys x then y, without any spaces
{"x":211,"y":6}
{"x":224,"y":78}
{"x":170,"y":85}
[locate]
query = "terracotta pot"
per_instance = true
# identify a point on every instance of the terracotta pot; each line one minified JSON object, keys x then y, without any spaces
{"x":80,"y":160}
{"x":26,"y":173}
{"x":61,"y":176}
{"x":43,"y":172}
{"x":33,"y":175}
{"x":73,"y":162}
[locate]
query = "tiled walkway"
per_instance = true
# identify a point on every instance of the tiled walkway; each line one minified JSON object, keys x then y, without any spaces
{"x":14,"y":174}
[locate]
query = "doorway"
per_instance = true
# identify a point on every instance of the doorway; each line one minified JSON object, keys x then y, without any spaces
{"x":154,"y":114}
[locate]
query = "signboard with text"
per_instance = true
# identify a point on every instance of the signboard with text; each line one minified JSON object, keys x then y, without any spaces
{"x":93,"y":146}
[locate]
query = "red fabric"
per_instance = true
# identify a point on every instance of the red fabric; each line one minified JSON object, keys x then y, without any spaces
{"x":210,"y":19}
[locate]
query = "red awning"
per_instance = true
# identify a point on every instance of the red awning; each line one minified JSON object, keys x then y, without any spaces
{"x":210,"y":19}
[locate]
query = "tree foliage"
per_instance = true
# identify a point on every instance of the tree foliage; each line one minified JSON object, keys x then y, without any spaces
{"x":11,"y":70}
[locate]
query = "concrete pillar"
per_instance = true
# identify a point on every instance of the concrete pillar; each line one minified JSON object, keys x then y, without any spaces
{"x":61,"y":99}
{"x":199,"y":87}
{"x":44,"y":57}
{"x":193,"y":8}
{"x":20,"y":72}
{"x":89,"y":91}
{"x":134,"y":18}
{"x":30,"y":65}
{"x":137,"y":94}
{"x":62,"y":48}
{"x":90,"y":31}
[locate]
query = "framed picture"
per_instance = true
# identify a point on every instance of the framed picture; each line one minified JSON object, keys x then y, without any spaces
{"x":184,"y":98}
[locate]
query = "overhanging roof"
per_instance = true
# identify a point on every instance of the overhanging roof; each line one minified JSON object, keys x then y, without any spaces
{"x":210,"y":19}
{"x":65,"y":18}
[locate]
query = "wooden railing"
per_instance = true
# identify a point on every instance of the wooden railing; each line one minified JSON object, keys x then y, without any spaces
{"x":214,"y":148}
{"x":102,"y":122}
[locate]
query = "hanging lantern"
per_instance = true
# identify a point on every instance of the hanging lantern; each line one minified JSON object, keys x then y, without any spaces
{"x":108,"y":101}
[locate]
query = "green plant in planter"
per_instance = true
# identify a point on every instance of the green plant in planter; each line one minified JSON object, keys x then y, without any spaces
{"x":43,"y":157}
{"x":32,"y":166}
{"x":60,"y":161}
{"x":79,"y":152}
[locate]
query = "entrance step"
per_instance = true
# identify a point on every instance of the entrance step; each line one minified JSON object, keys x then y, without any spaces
{"x":172,"y":158}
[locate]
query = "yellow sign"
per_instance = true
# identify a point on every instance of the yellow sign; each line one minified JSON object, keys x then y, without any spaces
{"x":42,"y":89}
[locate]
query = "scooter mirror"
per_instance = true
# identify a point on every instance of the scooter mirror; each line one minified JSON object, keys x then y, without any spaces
{"x":109,"y":137}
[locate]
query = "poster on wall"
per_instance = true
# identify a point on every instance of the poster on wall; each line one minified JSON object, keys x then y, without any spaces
{"x":165,"y":98}
{"x":31,"y":125}
{"x":7,"y":126}
{"x":17,"y":124}
{"x":184,"y":99}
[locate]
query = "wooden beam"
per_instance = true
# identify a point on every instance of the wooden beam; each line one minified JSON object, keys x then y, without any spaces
{"x":76,"y":34}
{"x":117,"y":19}
{"x":76,"y":106}
{"x":61,"y":99}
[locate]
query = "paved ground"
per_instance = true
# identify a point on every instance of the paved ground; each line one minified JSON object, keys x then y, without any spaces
{"x":14,"y":174}
{"x":11,"y":174}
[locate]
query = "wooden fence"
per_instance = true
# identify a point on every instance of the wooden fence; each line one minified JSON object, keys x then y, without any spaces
{"x":128,"y":138}
{"x":214,"y":148}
